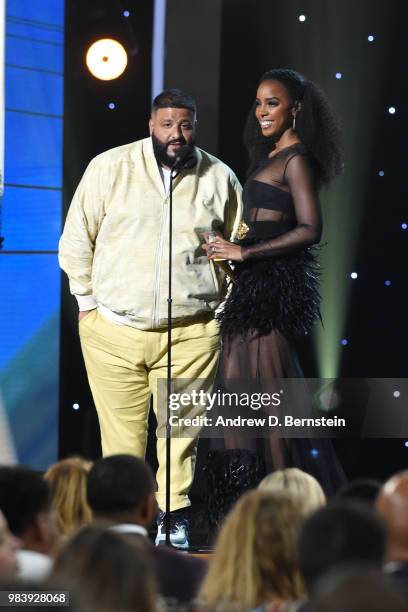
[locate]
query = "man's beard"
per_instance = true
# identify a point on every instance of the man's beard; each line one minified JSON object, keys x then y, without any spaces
{"x":160,"y":150}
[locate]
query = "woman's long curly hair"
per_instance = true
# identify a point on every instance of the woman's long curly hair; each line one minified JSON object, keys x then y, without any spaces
{"x":316,"y":126}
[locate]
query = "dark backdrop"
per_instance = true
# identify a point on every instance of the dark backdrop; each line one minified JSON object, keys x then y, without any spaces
{"x":363,"y":212}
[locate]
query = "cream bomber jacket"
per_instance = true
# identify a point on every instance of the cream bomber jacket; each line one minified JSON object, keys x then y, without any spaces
{"x":114,"y":246}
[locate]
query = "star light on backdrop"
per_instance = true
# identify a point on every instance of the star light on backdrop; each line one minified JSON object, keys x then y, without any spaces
{"x":106,"y":59}
{"x":361,"y":69}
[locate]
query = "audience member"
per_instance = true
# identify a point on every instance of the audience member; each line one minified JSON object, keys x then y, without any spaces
{"x":363,"y":490}
{"x":110,"y":571}
{"x":357,"y":589}
{"x":392,"y":504}
{"x":67,"y":480}
{"x":343,"y":532}
{"x":121,"y":490}
{"x":9,"y":546}
{"x":25,"y":500}
{"x":254,"y":561}
{"x":295,"y":482}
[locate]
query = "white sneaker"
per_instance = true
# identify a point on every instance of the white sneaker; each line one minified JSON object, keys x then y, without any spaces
{"x":178,"y":530}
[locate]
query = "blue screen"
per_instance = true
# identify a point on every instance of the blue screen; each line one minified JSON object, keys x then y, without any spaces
{"x":32,"y":217}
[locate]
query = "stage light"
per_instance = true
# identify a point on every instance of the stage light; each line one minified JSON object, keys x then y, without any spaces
{"x":396,"y":394}
{"x":75,"y":406}
{"x":344,"y":342}
{"x":315,"y":453}
{"x":106,"y":59}
{"x":404,"y":226}
{"x":392,"y":110}
{"x":126,"y":13}
{"x":354,"y":275}
{"x":111,"y":105}
{"x":381,"y":173}
{"x":338,"y":75}
{"x":370,"y":38}
{"x":302,"y":18}
{"x":406,"y":444}
{"x":387,"y":283}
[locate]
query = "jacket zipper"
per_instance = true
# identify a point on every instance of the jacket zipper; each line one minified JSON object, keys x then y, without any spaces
{"x":157,"y":272}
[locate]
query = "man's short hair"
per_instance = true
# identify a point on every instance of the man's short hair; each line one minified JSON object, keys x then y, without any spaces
{"x":23,"y":495}
{"x":118,"y":484}
{"x":174,"y":98}
{"x":343,"y":532}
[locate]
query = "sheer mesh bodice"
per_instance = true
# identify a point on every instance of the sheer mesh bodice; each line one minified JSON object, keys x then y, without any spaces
{"x":281,"y":206}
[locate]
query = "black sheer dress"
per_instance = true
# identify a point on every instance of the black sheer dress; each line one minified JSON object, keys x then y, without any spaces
{"x":275,"y":300}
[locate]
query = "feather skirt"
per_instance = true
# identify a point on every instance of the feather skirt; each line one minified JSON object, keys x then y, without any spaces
{"x":274,"y":293}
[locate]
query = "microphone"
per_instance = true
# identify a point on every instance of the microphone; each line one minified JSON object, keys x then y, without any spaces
{"x":185,"y":158}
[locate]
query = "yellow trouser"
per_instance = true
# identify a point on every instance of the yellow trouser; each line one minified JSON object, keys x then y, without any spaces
{"x":123,"y":365}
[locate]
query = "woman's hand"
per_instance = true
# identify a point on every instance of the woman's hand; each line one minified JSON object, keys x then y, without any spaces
{"x":222,"y":249}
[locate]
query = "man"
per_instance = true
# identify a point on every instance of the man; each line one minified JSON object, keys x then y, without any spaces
{"x":343,"y":533}
{"x":25,"y":501}
{"x":392,"y":505}
{"x":120,"y":491}
{"x":114,"y":249}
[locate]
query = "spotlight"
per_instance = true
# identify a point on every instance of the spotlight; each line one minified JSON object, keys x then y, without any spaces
{"x":370,"y":38}
{"x":106,"y":59}
{"x":381,"y":173}
{"x":302,"y":18}
{"x":396,"y":394}
{"x":392,"y":110}
{"x":354,"y":275}
{"x":338,"y":75}
{"x":404,"y":226}
{"x":314,"y":452}
{"x":75,"y":406}
{"x":111,"y":105}
{"x":406,"y":444}
{"x":387,"y":283}
{"x":344,"y":342}
{"x":126,"y":13}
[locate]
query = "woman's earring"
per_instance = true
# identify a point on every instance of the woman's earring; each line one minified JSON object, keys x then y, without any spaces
{"x":294,"y":123}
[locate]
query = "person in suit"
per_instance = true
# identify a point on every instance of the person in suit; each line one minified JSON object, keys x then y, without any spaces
{"x":121,"y":491}
{"x":392,"y":505}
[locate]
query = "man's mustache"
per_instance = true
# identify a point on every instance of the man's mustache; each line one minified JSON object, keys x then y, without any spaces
{"x":182,"y":142}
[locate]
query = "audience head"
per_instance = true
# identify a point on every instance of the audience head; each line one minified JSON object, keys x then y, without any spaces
{"x":304,"y":487}
{"x":362,"y":490}
{"x":9,"y":545}
{"x":122,"y":488}
{"x":108,"y":570}
{"x":392,"y":504}
{"x":67,"y":480}
{"x":343,"y":532}
{"x":25,"y":501}
{"x":357,"y":589}
{"x":255,"y":555}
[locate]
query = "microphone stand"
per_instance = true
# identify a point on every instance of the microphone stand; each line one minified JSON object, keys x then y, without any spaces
{"x":180,"y":163}
{"x":167,"y":523}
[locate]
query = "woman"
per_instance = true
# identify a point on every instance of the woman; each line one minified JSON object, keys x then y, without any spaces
{"x":293,"y":141}
{"x":298,"y":485}
{"x":254,"y":561}
{"x":67,"y":479}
